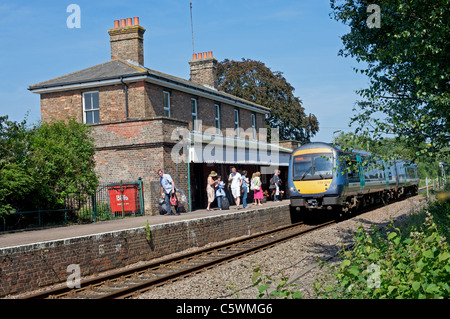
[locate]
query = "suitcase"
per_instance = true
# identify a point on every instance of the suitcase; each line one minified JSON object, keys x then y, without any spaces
{"x":225,"y":203}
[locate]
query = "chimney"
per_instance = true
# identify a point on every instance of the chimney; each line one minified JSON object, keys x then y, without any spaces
{"x":204,"y":69}
{"x":127,"y":40}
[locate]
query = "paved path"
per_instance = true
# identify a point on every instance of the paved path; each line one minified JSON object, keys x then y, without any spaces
{"x":35,"y":236}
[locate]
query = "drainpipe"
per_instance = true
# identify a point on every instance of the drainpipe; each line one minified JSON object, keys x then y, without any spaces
{"x":125,"y":89}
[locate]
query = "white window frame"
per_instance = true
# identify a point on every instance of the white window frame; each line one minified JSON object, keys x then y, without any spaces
{"x":217,"y":117}
{"x":236,"y":121}
{"x":91,"y":110}
{"x":166,"y":108}
{"x":253,"y":120}
{"x":194,"y":115}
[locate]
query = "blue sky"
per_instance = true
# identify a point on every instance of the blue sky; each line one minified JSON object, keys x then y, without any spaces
{"x":295,"y":37}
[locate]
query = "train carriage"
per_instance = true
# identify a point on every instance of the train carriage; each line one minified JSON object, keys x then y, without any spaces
{"x":319,"y":178}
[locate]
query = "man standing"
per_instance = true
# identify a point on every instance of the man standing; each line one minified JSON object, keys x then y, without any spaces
{"x":167,"y":189}
{"x":276,"y":181}
{"x":236,"y":182}
{"x":244,"y":184}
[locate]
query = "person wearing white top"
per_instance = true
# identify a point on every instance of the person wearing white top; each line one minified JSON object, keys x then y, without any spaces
{"x":236,"y":182}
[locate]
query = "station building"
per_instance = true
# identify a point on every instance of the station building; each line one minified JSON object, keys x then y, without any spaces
{"x":144,"y":120}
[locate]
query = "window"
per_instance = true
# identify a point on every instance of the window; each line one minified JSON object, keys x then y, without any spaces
{"x":194,"y":114}
{"x":254,"y":125}
{"x":91,"y":110}
{"x":236,"y":121}
{"x":312,"y":167}
{"x":166,"y":103}
{"x":217,"y":117}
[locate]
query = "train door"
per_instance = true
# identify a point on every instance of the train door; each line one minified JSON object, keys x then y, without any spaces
{"x":353,"y":180}
{"x":362,"y":179}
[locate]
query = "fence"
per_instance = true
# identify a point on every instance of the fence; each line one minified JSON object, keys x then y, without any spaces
{"x":115,"y":200}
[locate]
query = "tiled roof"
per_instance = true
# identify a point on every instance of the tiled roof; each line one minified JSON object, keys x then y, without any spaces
{"x":108,"y":70}
{"x":116,"y":69}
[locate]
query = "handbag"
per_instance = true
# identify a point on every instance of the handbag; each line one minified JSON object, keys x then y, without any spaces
{"x":173,"y":200}
{"x":257,"y":184}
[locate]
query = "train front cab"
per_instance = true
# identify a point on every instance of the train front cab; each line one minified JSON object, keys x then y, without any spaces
{"x":313,"y":182}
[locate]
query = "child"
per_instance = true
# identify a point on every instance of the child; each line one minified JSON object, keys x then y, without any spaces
{"x":220,"y":191}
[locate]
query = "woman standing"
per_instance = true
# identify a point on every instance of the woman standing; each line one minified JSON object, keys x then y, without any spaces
{"x":252,"y":187}
{"x":210,"y":189}
{"x":258,"y":194}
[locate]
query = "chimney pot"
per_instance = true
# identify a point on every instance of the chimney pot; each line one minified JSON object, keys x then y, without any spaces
{"x":194,"y":56}
{"x":204,"y":69}
{"x":127,"y":43}
{"x":136,"y":20}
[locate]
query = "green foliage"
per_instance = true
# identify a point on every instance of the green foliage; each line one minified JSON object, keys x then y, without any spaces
{"x":102,"y":212}
{"x":254,"y":81}
{"x":396,"y":148}
{"x":62,"y":154}
{"x":282,"y":290}
{"x":407,"y":63}
{"x":148,"y":231}
{"x":408,"y":262}
{"x":42,"y":165}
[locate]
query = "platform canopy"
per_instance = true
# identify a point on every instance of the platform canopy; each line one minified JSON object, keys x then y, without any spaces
{"x":212,"y":148}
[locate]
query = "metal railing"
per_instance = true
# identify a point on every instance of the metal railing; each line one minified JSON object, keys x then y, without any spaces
{"x":110,"y":201}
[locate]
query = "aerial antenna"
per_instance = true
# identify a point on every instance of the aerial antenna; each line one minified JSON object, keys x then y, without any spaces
{"x":192,"y":31}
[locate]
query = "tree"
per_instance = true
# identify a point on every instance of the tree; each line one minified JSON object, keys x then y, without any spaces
{"x":254,"y":81}
{"x":395,"y":148}
{"x":62,"y":154}
{"x":15,"y":181}
{"x":43,"y":165}
{"x":407,"y":62}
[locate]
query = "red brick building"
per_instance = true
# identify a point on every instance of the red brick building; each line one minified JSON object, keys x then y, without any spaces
{"x":138,"y":115}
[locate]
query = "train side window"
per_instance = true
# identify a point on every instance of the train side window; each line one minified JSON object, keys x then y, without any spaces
{"x":353,"y":175}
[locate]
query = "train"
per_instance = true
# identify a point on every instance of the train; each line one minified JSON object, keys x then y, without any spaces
{"x":323,"y":176}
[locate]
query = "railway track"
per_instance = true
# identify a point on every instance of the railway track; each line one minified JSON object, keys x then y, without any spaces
{"x":133,"y":281}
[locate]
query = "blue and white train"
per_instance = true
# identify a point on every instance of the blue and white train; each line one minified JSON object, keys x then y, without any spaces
{"x":318,"y":178}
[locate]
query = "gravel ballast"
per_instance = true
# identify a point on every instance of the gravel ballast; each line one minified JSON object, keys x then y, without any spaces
{"x":296,"y":259}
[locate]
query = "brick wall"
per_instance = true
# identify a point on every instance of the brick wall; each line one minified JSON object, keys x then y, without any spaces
{"x":145,"y":100}
{"x":127,"y":150}
{"x":133,"y":149}
{"x":28,"y":267}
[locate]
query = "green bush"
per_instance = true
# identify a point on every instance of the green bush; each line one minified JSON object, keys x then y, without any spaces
{"x":409,"y":262}
{"x":42,"y":165}
{"x":103,"y":212}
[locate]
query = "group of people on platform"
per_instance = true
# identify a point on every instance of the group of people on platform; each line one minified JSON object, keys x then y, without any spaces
{"x":240,"y":186}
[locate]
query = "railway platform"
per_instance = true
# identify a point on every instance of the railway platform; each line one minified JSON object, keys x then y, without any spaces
{"x":62,"y":232}
{"x":36,"y":258}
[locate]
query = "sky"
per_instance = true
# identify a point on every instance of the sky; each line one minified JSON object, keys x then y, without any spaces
{"x":295,"y":37}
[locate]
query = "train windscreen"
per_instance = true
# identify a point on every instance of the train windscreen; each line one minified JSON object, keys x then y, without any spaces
{"x":312,"y":167}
